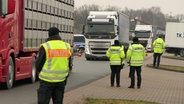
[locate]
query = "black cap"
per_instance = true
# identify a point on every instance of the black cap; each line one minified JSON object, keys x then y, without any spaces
{"x":135,"y":39}
{"x":160,"y":36}
{"x":116,"y":42}
{"x":53,"y":31}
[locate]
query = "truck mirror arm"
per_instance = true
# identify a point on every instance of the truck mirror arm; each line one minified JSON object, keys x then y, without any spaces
{"x":83,"y":28}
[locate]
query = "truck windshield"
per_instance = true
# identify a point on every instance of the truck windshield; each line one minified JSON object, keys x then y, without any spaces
{"x":142,"y":34}
{"x":100,"y":29}
{"x":78,"y":39}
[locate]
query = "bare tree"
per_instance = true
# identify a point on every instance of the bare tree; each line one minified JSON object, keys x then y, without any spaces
{"x":112,"y":8}
{"x":80,"y":16}
{"x":153,"y":15}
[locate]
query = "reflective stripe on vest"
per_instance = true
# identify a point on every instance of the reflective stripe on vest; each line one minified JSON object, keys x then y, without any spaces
{"x":56,"y":53}
{"x":55,"y":72}
{"x":56,"y":75}
{"x":136,"y":61}
{"x":53,"y":78}
{"x":115,"y":62}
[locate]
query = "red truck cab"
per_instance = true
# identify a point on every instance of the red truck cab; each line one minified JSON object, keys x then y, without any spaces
{"x":16,"y":61}
{"x":24,"y":26}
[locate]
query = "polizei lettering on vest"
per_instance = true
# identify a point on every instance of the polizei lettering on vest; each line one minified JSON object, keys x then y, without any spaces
{"x":58,"y":53}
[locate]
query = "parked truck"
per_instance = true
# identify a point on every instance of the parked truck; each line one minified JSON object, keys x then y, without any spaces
{"x":101,"y":29}
{"x":23,"y":27}
{"x":174,"y":38}
{"x":146,"y":34}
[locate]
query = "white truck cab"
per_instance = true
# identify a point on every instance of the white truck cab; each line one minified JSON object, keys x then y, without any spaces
{"x":146,"y":35}
{"x":101,"y":29}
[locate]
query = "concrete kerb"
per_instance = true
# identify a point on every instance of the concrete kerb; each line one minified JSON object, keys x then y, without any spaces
{"x":161,"y":68}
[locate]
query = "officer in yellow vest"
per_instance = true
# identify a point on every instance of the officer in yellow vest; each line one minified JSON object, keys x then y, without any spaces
{"x":135,"y":57}
{"x":52,"y":65}
{"x":158,"y":46}
{"x":116,"y":55}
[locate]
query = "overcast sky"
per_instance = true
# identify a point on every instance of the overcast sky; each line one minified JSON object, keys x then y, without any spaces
{"x":167,"y":6}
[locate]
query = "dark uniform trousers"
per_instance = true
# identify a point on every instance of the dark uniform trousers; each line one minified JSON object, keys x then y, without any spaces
{"x":48,"y":90}
{"x":138,"y":70}
{"x":156,"y":59}
{"x":115,"y":72}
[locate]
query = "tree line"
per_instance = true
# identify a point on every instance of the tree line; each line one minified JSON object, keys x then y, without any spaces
{"x":152,"y":15}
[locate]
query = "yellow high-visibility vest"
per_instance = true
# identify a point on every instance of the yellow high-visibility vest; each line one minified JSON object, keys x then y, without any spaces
{"x":116,"y":55}
{"x":55,"y":68}
{"x":136,"y":54}
{"x":158,"y":45}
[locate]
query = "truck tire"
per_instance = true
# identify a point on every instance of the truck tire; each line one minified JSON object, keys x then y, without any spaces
{"x":81,"y":49}
{"x":182,"y":52}
{"x":10,"y":74}
{"x":88,"y":59}
{"x":33,"y":73}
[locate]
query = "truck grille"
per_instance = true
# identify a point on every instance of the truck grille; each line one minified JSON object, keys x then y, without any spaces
{"x":99,"y":48}
{"x":144,"y":42}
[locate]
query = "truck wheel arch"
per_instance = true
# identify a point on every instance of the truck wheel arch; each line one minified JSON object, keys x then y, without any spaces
{"x":10,"y":77}
{"x":33,"y":71}
{"x":10,"y":61}
{"x":182,"y":52}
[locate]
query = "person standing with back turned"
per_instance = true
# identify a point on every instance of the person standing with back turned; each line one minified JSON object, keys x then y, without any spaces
{"x":158,"y":46}
{"x":116,"y":55}
{"x":135,"y":57}
{"x":52,"y":66}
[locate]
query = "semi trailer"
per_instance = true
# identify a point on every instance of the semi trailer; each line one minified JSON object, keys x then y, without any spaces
{"x":174,"y":38}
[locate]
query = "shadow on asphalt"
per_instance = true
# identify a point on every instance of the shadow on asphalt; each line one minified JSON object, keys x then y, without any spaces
{"x":18,"y":83}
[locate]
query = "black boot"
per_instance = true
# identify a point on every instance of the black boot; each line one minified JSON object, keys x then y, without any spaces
{"x":131,"y":87}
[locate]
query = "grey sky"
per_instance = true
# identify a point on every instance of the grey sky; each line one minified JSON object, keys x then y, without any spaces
{"x":167,"y":6}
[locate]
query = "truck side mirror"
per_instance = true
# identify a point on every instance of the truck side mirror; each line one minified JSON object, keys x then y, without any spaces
{"x":152,"y":35}
{"x":11,"y":6}
{"x":3,"y":7}
{"x":118,"y":30}
{"x":83,"y":29}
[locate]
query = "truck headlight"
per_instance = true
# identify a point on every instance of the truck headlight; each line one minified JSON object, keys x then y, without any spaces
{"x":87,"y":49}
{"x":149,"y":46}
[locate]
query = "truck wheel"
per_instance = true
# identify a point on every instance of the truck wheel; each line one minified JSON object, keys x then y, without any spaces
{"x":10,"y":74}
{"x":81,"y":50}
{"x":87,"y":59}
{"x":33,"y":73}
{"x":182,"y":52}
